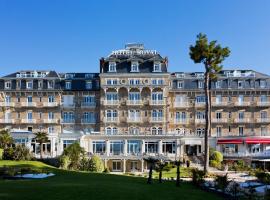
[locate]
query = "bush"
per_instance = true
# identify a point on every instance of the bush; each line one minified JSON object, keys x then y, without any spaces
{"x":96,"y":164}
{"x":8,"y":153}
{"x":263,"y":177}
{"x":75,"y":153}
{"x":216,"y":156}
{"x":64,"y":162}
{"x":215,"y":164}
{"x":1,"y":153}
{"x":222,"y":182}
{"x":106,"y":170}
{"x":85,"y":163}
{"x":197,"y":177}
{"x":21,"y":153}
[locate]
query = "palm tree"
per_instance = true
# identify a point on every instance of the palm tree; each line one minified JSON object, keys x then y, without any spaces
{"x":211,"y":55}
{"x":5,"y":139}
{"x":178,"y":163}
{"x":152,"y":161}
{"x":160,"y":167}
{"x":41,"y":138}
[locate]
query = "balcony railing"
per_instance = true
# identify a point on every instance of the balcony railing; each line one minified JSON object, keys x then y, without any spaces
{"x":88,"y":121}
{"x":28,"y":104}
{"x":111,"y":119}
{"x":7,"y":121}
{"x":50,"y":121}
{"x":68,"y":121}
{"x":244,"y":103}
{"x":28,"y":121}
{"x":217,"y":104}
{"x":242,"y":120}
{"x":263,"y":120}
{"x":222,"y":120}
{"x":50,"y":104}
{"x":157,"y":119}
{"x":199,"y":121}
{"x":181,"y":104}
{"x":134,"y":119}
{"x":111,"y":102}
{"x":263,"y":103}
{"x":7,"y":104}
{"x":265,"y":154}
{"x":134,"y":102}
{"x":157,"y":102}
{"x":181,"y":121}
{"x":88,"y":104}
{"x":70,"y":105}
{"x":199,"y":104}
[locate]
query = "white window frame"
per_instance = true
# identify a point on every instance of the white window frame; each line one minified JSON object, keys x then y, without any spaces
{"x":68,"y":85}
{"x":31,"y":84}
{"x":7,"y":85}
{"x":134,"y":67}
{"x":157,"y":67}
{"x":112,"y":67}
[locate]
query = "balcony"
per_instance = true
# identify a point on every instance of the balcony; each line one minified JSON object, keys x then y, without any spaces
{"x":263,"y":103}
{"x":88,"y":104}
{"x":50,"y":104}
{"x":222,"y":120}
{"x":7,"y":121}
{"x":181,"y":104}
{"x":181,"y":121}
{"x":219,"y":104}
{"x":111,"y":102}
{"x":200,"y":104}
{"x":28,"y":121}
{"x":242,"y":120}
{"x":157,"y":102}
{"x":28,"y":104}
{"x":50,"y":121}
{"x":68,"y":105}
{"x":200,"y":121}
{"x":88,"y":121}
{"x":111,"y":119}
{"x":7,"y":104}
{"x":263,"y":120}
{"x":157,"y":119}
{"x":134,"y":102}
{"x":244,"y":103}
{"x":68,"y":121}
{"x":134,"y":119}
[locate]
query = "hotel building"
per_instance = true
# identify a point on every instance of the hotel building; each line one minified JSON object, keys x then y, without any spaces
{"x":134,"y":108}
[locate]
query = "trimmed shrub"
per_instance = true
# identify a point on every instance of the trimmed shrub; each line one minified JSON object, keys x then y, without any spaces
{"x":96,"y":164}
{"x":21,"y":153}
{"x":64,"y":162}
{"x":215,"y":164}
{"x":216,"y":156}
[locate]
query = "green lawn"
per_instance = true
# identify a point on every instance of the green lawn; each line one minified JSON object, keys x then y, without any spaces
{"x":184,"y":172}
{"x":81,"y":185}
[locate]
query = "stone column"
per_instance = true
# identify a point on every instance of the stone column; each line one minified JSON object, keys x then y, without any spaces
{"x":142,"y":165}
{"x":90,"y":146}
{"x":53,"y":147}
{"x":160,"y":147}
{"x":124,"y":166}
{"x":107,"y":147}
{"x":143,"y":147}
{"x":125,"y":147}
{"x":178,"y":148}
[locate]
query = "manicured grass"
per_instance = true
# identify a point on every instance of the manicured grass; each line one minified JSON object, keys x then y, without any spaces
{"x":82,"y":185}
{"x":184,"y":172}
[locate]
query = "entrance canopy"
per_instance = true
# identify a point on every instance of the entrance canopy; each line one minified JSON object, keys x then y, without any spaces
{"x":258,"y":141}
{"x":230,"y":141}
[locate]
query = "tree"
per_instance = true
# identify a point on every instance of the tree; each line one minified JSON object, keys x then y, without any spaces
{"x":5,"y":139}
{"x":152,"y":161}
{"x":160,"y":167}
{"x":96,"y":164}
{"x":41,"y":138}
{"x":211,"y":55}
{"x":178,"y":163}
{"x":74,"y":152}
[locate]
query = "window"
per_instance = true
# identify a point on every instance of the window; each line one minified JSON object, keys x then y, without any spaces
{"x":157,"y":81}
{"x":135,"y":96}
{"x":218,"y":99}
{"x":68,"y":117}
{"x":51,"y":129}
{"x":7,"y":99}
{"x":200,"y":131}
{"x":29,"y":99}
{"x":88,"y":76}
{"x":240,"y":84}
{"x":111,"y":96}
{"x":89,"y":117}
{"x":68,"y":85}
{"x":200,"y":84}
{"x":157,"y":67}
{"x":50,"y":115}
{"x":200,"y":99}
{"x":156,"y":131}
{"x":134,"y":67}
{"x":264,"y":114}
{"x":200,"y":115}
{"x":8,"y":85}
{"x":134,"y":82}
{"x":51,"y":99}
{"x":157,"y":114}
{"x":111,"y":113}
{"x":99,"y":147}
{"x":116,"y":165}
{"x":134,"y":147}
{"x":180,"y":116}
{"x":29,"y":84}
{"x":263,"y":131}
{"x":88,"y":85}
{"x":69,"y":76}
{"x":134,"y":115}
{"x":262,"y":84}
{"x":218,"y":84}
{"x":112,"y":81}
{"x":241,"y":131}
{"x":134,"y":130}
{"x":229,"y":83}
{"x":218,"y":115}
{"x":168,"y":147}
{"x":112,"y":67}
{"x":151,"y":147}
{"x":263,"y":98}
{"x":241,"y":115}
{"x":50,"y":84}
{"x":218,"y":131}
{"x":66,"y":143}
{"x":157,"y":96}
{"x":116,"y":147}
{"x":229,"y":115}
{"x":180,"y":84}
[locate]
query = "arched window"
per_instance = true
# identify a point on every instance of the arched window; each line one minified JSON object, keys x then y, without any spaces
{"x":159,"y":131}
{"x":154,"y":131}
{"x":108,"y":131}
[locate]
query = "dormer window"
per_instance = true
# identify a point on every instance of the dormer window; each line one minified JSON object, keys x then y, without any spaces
{"x":157,"y":67}
{"x":200,"y":84}
{"x":29,"y":84}
{"x":180,"y":84}
{"x":240,"y":84}
{"x":262,"y":84}
{"x":40,"y":84}
{"x":69,"y":76}
{"x":112,"y":67}
{"x":134,"y":67}
{"x":88,"y":85}
{"x":68,"y":85}
{"x":50,"y":84}
{"x":88,"y":75}
{"x":218,"y":84}
{"x":8,"y":85}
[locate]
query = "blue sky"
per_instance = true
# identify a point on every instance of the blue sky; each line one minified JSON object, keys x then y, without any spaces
{"x":71,"y":36}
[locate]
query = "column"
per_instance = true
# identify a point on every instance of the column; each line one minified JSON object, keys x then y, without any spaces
{"x":107,"y":147}
{"x":90,"y":146}
{"x":178,"y":148}
{"x":124,"y":166}
{"x":160,"y":147}
{"x":143,"y":147}
{"x":125,"y":147}
{"x":53,"y":147}
{"x":142,"y":165}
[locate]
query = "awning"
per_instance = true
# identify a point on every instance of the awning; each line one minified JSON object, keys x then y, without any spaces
{"x":258,"y":141}
{"x":230,"y":141}
{"x":193,"y":142}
